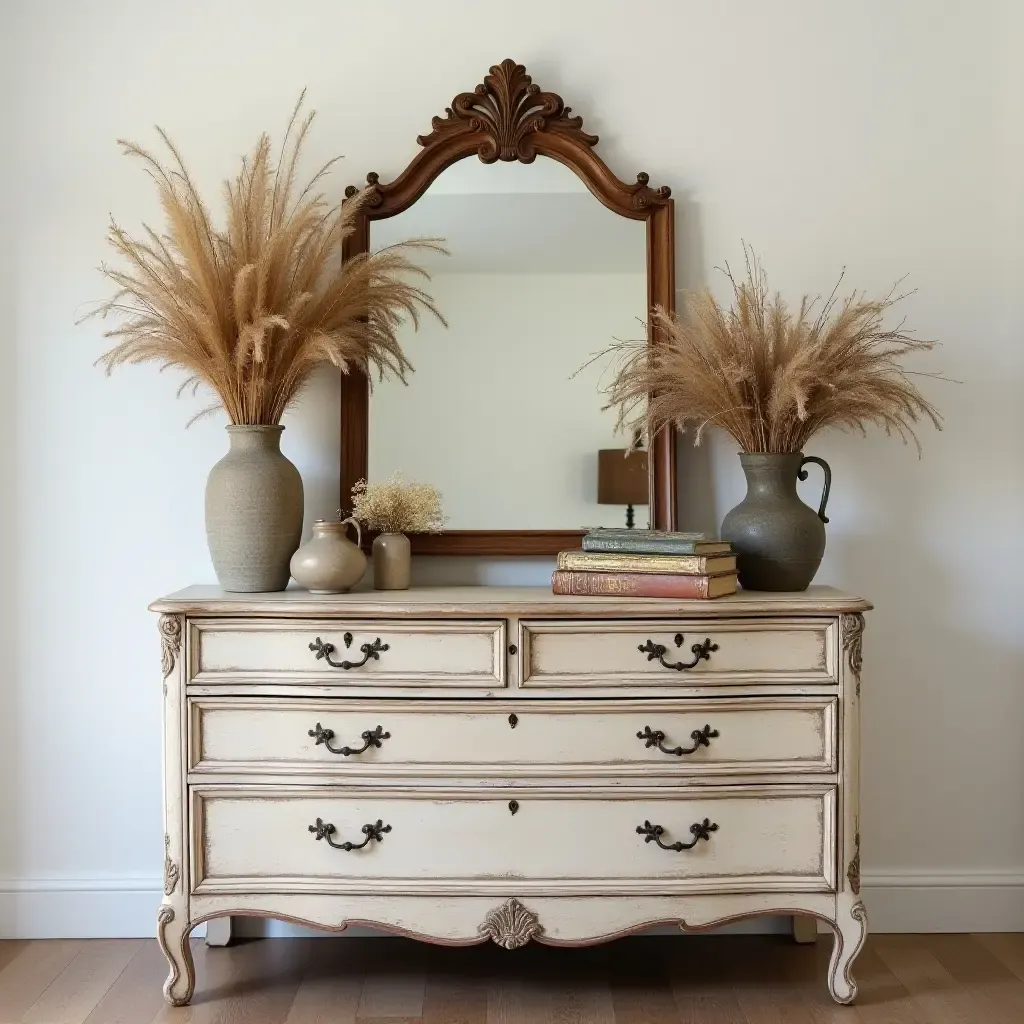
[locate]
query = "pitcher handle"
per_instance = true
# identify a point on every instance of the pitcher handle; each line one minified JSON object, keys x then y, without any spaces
{"x":802,"y":475}
{"x":359,"y":532}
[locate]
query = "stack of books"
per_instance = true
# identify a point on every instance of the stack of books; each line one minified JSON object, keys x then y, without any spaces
{"x":646,"y":563}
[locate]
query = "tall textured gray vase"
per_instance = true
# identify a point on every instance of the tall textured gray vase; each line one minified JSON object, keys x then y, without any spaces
{"x":778,"y":540}
{"x":253,"y":512}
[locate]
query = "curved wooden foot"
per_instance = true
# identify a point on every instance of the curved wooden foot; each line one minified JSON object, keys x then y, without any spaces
{"x":172,"y":932}
{"x":851,"y":928}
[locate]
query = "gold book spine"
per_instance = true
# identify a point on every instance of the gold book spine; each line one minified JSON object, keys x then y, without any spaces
{"x":593,"y":561}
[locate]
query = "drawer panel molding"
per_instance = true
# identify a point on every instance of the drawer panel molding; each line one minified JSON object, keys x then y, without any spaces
{"x":731,"y":839}
{"x":512,"y":739}
{"x":351,"y":653}
{"x":677,"y":654}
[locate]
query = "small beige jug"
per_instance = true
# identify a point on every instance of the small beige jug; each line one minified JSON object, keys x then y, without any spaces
{"x":329,"y":563}
{"x":392,"y":561}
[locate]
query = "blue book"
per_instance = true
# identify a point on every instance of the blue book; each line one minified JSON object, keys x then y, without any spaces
{"x":652,"y":542}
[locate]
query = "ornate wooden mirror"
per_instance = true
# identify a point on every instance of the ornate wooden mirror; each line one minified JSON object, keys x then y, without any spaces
{"x":539,"y":279}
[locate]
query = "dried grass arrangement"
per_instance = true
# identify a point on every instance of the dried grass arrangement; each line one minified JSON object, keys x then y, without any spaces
{"x":768,"y":376}
{"x":251,"y":310}
{"x":398,"y":507}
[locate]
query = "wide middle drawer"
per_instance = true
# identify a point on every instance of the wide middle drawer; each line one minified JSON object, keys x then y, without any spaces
{"x":517,"y":738}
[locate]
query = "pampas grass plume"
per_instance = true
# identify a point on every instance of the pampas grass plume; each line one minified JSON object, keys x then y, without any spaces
{"x":768,"y":375}
{"x":251,"y":310}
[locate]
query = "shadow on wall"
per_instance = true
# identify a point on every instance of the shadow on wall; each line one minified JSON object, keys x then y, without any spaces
{"x":938,"y":667}
{"x":312,"y":442}
{"x":698,"y":508}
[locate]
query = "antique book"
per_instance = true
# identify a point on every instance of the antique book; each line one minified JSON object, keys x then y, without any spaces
{"x":634,"y":584}
{"x":653,"y":542}
{"x":598,"y":561}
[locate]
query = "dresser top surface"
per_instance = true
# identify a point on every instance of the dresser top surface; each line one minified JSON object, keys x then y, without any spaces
{"x":481,"y":601}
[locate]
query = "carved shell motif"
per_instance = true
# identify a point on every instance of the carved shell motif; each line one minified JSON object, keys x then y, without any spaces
{"x":511,"y":925}
{"x":507,"y":117}
{"x":506,"y":109}
{"x":170,"y":642}
{"x":853,"y":635}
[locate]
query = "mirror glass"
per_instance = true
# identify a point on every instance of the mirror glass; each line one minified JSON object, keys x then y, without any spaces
{"x":540,"y":278}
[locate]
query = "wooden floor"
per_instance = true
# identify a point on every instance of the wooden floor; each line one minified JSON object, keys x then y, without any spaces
{"x":904,"y":979}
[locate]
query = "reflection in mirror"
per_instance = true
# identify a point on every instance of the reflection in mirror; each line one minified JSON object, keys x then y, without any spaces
{"x":541,"y":277}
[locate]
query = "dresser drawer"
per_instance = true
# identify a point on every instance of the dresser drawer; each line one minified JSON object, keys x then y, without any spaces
{"x":650,"y":653}
{"x":438,"y":738}
{"x":356,"y":653}
{"x":265,"y":839}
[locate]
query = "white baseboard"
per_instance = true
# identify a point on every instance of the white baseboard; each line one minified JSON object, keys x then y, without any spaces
{"x":962,"y":901}
{"x":90,"y":908}
{"x":126,"y":908}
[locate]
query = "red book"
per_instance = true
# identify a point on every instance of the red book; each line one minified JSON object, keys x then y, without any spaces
{"x":638,"y":584}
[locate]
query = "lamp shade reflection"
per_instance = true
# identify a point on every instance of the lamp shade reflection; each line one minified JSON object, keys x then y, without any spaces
{"x":622,"y":478}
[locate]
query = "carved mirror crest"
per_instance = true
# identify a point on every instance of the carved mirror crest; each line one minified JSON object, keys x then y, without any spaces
{"x":536,"y":268}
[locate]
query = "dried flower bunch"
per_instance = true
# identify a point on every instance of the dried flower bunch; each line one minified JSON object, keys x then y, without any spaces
{"x":252,"y":310}
{"x":397,"y":507}
{"x":768,"y":376}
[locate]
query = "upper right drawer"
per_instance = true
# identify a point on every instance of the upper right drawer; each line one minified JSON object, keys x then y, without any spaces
{"x":670,"y":653}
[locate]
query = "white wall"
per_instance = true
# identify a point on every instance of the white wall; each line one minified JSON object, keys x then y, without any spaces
{"x":881,"y":136}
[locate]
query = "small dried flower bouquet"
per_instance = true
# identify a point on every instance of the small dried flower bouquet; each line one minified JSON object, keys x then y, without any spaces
{"x":395,"y":508}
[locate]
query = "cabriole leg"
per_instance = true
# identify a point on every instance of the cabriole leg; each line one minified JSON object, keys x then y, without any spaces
{"x":172,"y":932}
{"x":851,"y":928}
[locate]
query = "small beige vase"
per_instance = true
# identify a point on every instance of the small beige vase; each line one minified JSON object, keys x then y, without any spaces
{"x":329,"y":563}
{"x":392,"y":561}
{"x":253,"y":512}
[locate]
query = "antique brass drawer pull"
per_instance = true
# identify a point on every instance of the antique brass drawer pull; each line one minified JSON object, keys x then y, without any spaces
{"x":701,"y":652}
{"x":370,"y":738}
{"x":324,"y":830}
{"x":699,"y":830}
{"x":700,"y":737}
{"x":325,"y":650}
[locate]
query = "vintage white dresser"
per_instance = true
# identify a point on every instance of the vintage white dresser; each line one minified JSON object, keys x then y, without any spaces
{"x":479,"y":763}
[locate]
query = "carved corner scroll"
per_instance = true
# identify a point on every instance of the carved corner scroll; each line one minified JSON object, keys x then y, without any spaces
{"x":511,"y":925}
{"x":853,"y":637}
{"x":170,"y":642}
{"x":171,"y":871}
{"x":165,"y":915}
{"x":853,"y":871}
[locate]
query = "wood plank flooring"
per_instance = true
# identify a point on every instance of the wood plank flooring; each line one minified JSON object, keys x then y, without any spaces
{"x":736,"y":979}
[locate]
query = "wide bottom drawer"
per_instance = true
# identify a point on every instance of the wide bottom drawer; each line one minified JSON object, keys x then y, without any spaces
{"x":615,"y":841}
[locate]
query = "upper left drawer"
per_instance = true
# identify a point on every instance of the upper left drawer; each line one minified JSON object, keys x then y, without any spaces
{"x":356,"y":653}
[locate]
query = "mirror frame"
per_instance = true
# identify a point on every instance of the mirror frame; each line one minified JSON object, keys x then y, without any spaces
{"x":509,"y":118}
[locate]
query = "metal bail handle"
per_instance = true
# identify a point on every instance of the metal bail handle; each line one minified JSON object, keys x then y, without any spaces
{"x":802,"y":475}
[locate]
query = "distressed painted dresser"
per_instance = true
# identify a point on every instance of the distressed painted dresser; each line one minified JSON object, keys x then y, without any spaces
{"x":480,"y":763}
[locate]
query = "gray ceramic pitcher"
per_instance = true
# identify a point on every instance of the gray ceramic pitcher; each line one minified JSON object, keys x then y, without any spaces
{"x":778,"y":540}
